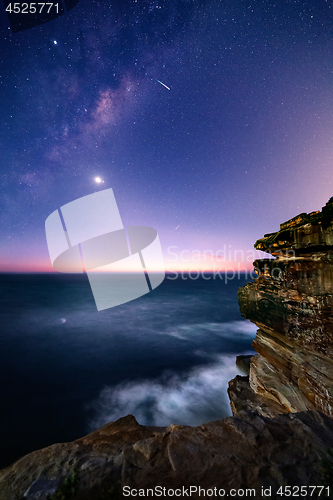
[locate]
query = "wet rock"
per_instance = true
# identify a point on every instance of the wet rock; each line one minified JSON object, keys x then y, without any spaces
{"x":243,"y":363}
{"x":243,"y":398}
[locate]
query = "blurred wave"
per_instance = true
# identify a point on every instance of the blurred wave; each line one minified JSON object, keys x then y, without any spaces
{"x":190,"y":399}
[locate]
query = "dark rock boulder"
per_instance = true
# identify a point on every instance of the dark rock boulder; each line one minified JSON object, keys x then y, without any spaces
{"x":245,"y":452}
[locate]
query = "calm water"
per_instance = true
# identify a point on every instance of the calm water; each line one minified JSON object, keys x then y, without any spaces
{"x":67,"y":369}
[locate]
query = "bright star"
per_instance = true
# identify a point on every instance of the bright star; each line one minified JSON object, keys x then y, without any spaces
{"x":98,"y":180}
{"x":55,"y":42}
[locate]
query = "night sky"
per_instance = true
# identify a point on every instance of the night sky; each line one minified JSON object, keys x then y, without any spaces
{"x":241,"y":142}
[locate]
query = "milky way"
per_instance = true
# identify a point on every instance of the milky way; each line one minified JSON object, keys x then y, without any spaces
{"x":241,"y":143}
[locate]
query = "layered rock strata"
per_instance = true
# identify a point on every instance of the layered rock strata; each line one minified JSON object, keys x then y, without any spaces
{"x":291,"y":302}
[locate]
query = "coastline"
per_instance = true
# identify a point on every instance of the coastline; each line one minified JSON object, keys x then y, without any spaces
{"x":281,"y":431}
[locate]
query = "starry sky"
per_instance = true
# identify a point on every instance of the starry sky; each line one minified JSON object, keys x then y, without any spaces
{"x":241,"y":142}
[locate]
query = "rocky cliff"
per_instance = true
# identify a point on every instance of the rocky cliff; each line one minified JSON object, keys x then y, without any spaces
{"x":281,"y":434}
{"x":291,"y":302}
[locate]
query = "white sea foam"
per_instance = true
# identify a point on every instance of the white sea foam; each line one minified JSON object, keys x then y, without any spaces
{"x":191,"y":399}
{"x":229,"y":329}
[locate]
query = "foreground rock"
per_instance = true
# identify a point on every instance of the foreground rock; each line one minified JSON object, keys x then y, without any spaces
{"x":247,"y":451}
{"x":243,"y":398}
{"x":291,"y":302}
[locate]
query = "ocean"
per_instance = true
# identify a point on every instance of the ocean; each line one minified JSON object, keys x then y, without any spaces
{"x":66,"y":369}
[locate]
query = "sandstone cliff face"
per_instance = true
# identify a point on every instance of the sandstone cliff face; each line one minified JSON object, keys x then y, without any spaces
{"x":291,"y":302}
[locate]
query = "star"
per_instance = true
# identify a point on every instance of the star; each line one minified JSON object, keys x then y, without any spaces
{"x":98,"y":180}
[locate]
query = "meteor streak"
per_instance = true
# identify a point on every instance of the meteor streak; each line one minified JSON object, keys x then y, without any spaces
{"x":163,"y":84}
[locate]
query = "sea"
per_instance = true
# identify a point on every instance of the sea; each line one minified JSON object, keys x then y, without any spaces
{"x":67,"y":369}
